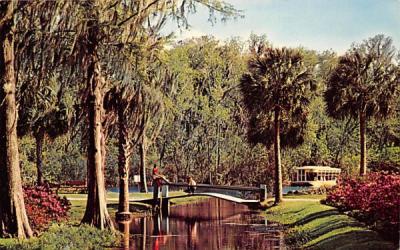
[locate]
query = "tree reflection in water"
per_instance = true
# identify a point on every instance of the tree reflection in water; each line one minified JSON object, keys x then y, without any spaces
{"x":124,"y":228}
{"x":210,"y":224}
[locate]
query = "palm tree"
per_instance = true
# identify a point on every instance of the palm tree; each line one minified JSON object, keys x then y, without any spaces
{"x":44,"y":111}
{"x":276,"y":93}
{"x":364,"y":84}
{"x":124,"y":100}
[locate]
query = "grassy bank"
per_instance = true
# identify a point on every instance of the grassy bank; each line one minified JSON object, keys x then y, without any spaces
{"x":78,"y":204}
{"x":315,"y":226}
{"x":66,"y":237}
{"x":72,"y":236}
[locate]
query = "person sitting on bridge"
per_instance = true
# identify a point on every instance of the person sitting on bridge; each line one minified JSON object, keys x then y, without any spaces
{"x":192,"y":185}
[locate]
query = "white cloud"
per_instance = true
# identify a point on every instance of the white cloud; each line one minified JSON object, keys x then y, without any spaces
{"x":185,"y":34}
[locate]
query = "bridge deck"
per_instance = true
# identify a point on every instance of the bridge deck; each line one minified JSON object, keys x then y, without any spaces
{"x":218,"y":195}
{"x":214,"y":195}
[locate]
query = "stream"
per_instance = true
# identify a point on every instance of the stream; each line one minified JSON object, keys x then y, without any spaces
{"x":207,"y":224}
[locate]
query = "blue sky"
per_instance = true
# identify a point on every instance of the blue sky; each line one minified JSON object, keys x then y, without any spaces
{"x":314,"y":24}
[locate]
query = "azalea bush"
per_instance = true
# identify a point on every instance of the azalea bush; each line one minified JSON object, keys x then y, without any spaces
{"x":374,"y":199}
{"x":43,"y":206}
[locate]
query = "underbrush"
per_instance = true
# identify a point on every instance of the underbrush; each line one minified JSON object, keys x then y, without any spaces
{"x":67,"y":237}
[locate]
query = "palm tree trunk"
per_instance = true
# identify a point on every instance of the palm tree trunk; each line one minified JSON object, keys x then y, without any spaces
{"x":209,"y":163}
{"x":277,"y":157}
{"x":363,"y":146}
{"x":218,"y":158}
{"x":13,"y":217}
{"x":39,"y":156}
{"x":96,"y":212}
{"x":142,"y":152}
{"x":123,"y":164}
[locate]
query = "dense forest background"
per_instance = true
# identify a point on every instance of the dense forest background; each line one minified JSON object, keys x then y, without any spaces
{"x":194,"y":122}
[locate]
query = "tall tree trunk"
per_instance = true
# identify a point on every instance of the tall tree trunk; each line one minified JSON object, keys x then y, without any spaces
{"x":39,"y":155}
{"x":104,"y":153}
{"x":277,"y":156}
{"x":142,"y":152}
{"x":13,"y":217}
{"x":96,"y":213}
{"x":123,"y":163}
{"x":209,"y":163}
{"x":218,"y":157}
{"x":363,"y":146}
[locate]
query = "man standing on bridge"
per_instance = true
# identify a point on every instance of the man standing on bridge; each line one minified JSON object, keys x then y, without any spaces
{"x":158,"y":180}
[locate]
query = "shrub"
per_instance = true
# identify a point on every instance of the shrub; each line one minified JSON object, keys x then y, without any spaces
{"x":389,"y":167}
{"x":374,"y":199}
{"x":43,"y":207}
{"x":69,"y":237}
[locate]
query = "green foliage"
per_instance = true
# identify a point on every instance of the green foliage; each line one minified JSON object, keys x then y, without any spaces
{"x":45,"y":108}
{"x":203,"y":113}
{"x":27,"y":159}
{"x":203,"y":134}
{"x":69,"y":237}
{"x":63,"y":160}
{"x":278,"y":83}
{"x":364,"y":80}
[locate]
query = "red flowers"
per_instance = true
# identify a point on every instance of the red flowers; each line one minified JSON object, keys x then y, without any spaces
{"x":376,"y":197}
{"x":43,"y":207}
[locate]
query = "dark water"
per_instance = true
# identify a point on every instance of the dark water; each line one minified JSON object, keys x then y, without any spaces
{"x":211,"y":224}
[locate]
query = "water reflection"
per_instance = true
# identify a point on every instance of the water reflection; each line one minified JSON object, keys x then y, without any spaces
{"x":211,"y":224}
{"x":124,"y":228}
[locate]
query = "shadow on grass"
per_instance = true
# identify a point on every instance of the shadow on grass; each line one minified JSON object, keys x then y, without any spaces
{"x":331,"y":230}
{"x":314,"y":216}
{"x":333,"y":225}
{"x":363,"y":239}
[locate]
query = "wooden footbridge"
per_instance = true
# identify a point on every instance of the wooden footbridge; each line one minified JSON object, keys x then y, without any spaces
{"x":228,"y":193}
{"x":219,"y":196}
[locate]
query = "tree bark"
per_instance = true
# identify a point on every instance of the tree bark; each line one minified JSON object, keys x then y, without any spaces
{"x":277,"y":157}
{"x":96,"y":212}
{"x":218,"y":157}
{"x":209,"y":163}
{"x":142,"y":152}
{"x":363,"y":144}
{"x":13,"y":217}
{"x":104,"y":154}
{"x":39,"y":156}
{"x":123,"y":163}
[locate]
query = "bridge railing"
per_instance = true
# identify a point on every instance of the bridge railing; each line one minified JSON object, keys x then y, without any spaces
{"x":260,"y":191}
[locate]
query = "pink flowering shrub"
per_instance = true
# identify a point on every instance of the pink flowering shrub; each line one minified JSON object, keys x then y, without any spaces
{"x":375,"y":198}
{"x":43,"y":207}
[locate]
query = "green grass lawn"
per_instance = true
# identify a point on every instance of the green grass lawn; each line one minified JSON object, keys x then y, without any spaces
{"x":305,"y":196}
{"x":186,"y":200}
{"x":316,"y":226}
{"x":114,"y":195}
{"x":78,"y":204}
